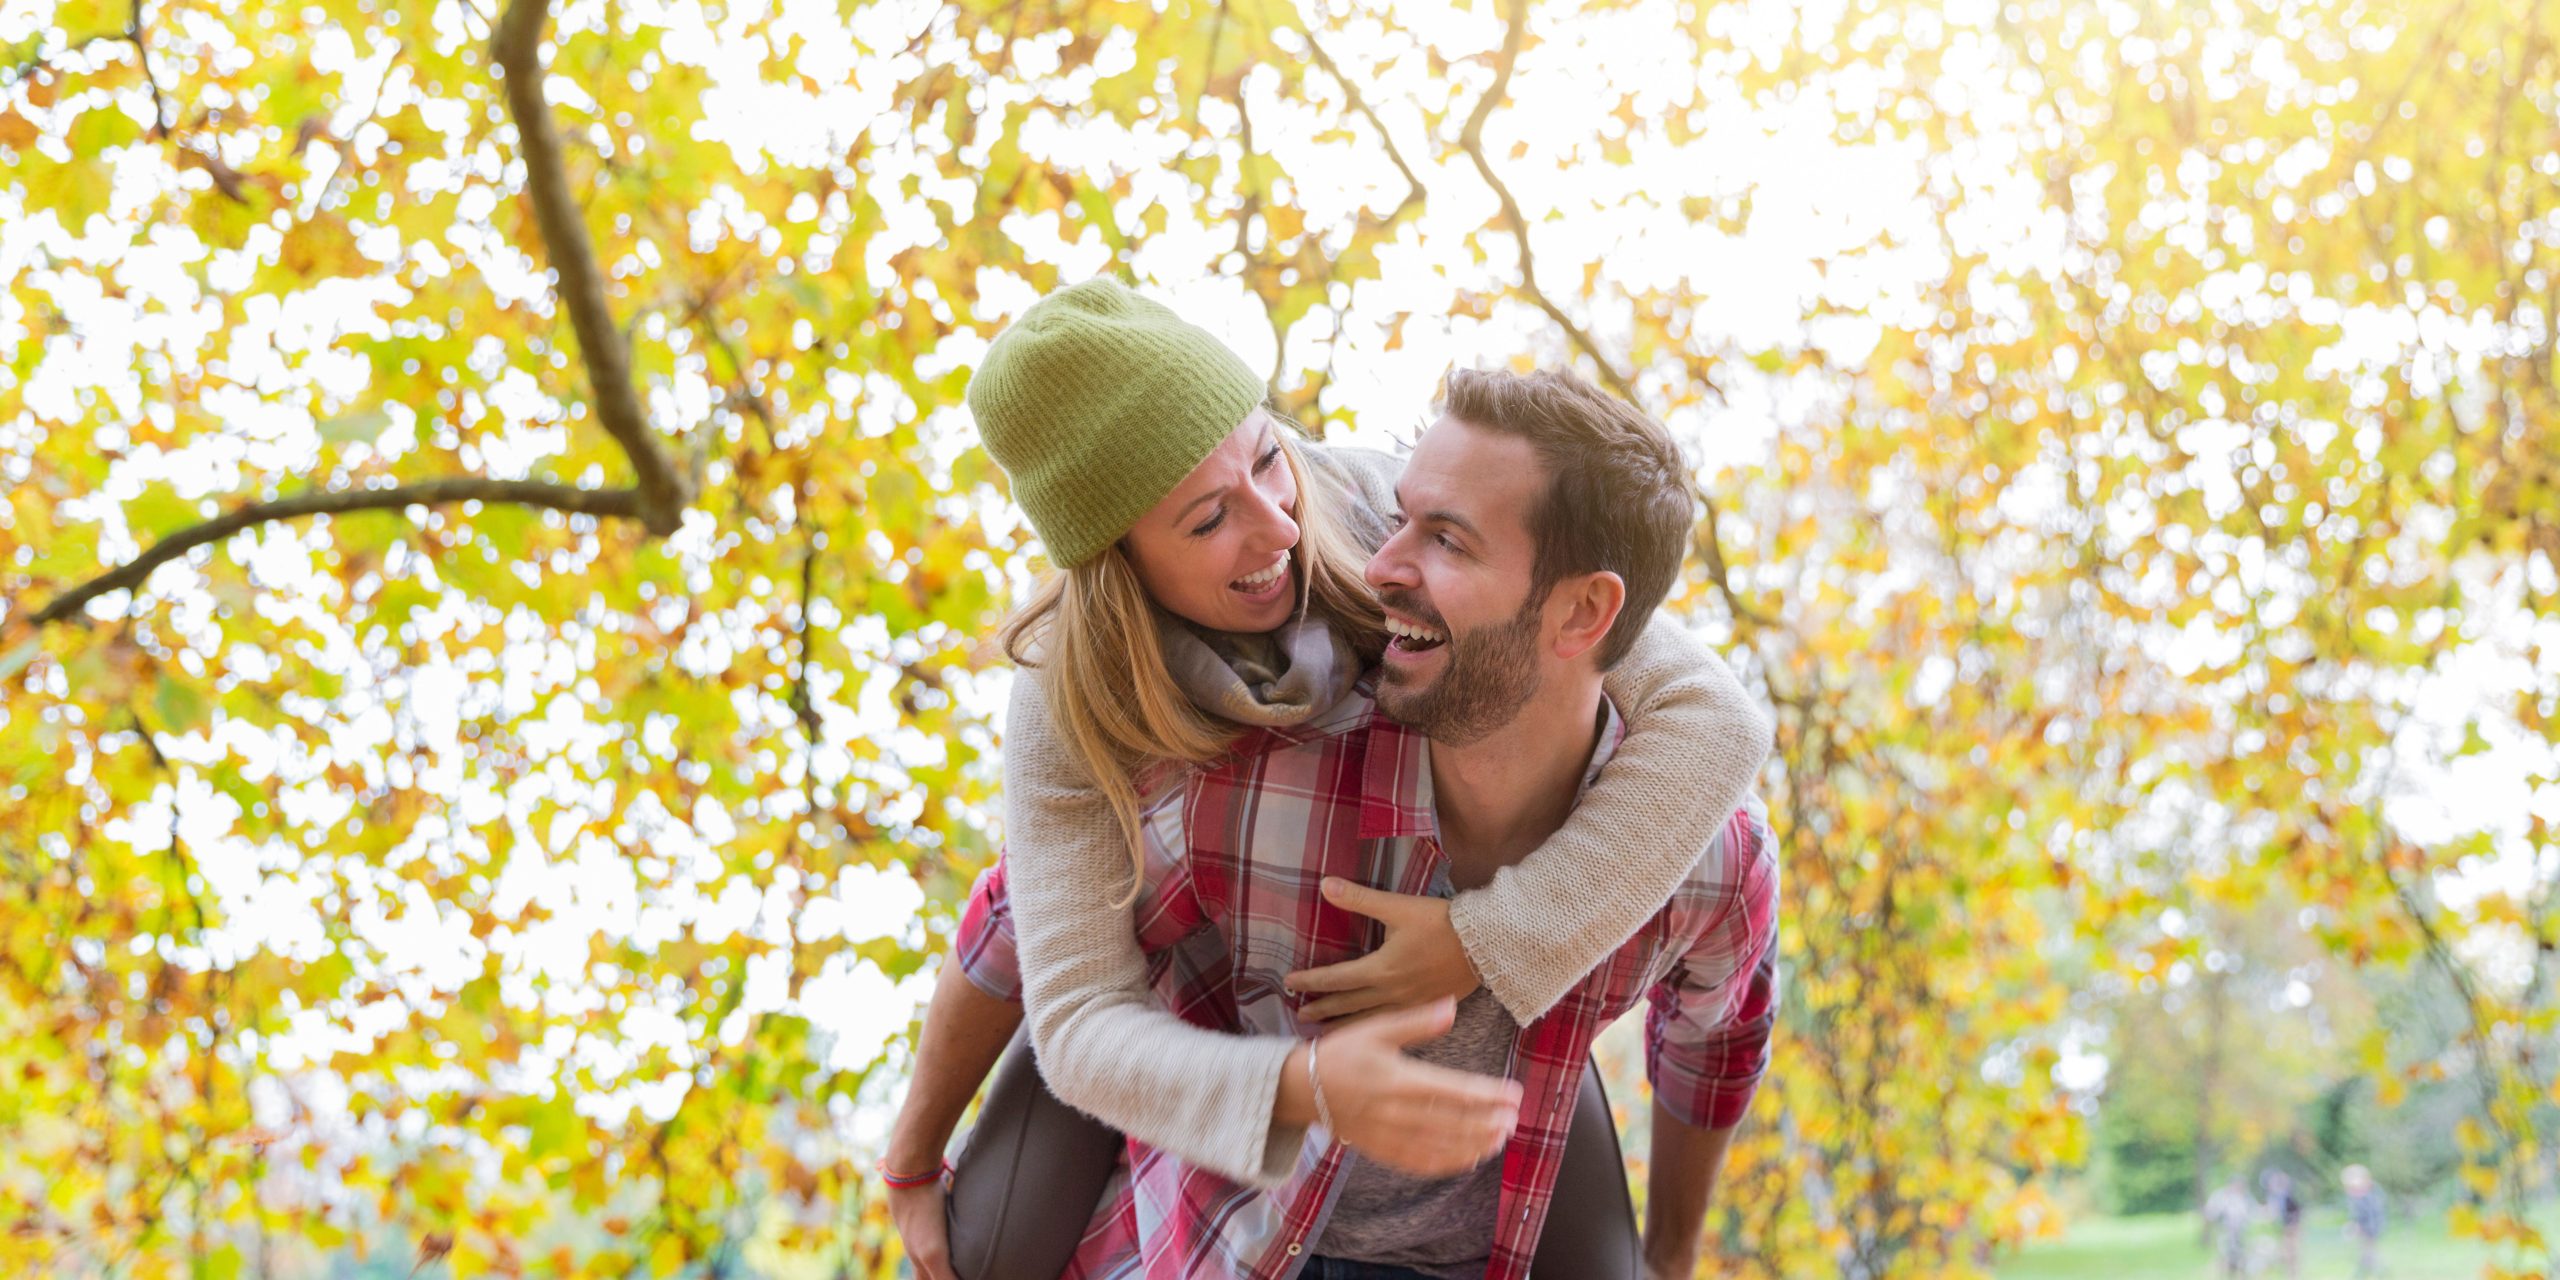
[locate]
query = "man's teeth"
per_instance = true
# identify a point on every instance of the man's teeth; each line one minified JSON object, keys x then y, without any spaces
{"x":1266,"y":577}
{"x":1419,"y":635}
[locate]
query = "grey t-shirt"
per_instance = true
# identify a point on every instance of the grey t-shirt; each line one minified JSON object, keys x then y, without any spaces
{"x":1440,"y":1227}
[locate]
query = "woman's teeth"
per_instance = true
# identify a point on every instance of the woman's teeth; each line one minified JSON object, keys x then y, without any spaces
{"x":1412,"y":638}
{"x":1256,"y":582}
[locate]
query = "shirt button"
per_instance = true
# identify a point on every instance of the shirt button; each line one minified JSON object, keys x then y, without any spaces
{"x":1293,"y":1251}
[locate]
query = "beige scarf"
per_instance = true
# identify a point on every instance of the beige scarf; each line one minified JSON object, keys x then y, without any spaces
{"x":1263,"y":679}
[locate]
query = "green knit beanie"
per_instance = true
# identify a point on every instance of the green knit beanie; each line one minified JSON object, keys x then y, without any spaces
{"x":1097,"y":402}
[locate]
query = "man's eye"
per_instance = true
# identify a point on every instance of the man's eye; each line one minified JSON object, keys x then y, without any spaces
{"x":1395,"y":519}
{"x":1445,"y":543}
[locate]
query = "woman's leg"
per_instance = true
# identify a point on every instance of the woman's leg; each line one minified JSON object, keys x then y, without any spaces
{"x":1028,"y":1180}
{"x":1591,"y":1226}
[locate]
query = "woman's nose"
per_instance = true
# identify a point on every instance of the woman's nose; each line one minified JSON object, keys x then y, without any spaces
{"x":1274,"y":529}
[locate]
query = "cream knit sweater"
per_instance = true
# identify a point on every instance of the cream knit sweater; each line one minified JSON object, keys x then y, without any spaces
{"x":1694,"y":745}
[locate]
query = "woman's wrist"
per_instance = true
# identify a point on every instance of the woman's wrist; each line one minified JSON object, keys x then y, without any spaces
{"x":1294,"y":1106}
{"x":914,"y":1146}
{"x":901,"y":1177}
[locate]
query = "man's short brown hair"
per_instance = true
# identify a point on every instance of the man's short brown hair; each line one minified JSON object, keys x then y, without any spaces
{"x":1618,"y":494}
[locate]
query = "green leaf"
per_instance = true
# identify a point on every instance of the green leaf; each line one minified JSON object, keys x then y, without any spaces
{"x":181,"y":708}
{"x":363,"y":426}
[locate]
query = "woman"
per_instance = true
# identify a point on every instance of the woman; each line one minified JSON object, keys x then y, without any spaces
{"x":1209,"y":579}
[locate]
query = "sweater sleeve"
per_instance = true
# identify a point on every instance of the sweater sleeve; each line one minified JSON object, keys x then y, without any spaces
{"x":1695,"y":742}
{"x":1104,"y":1044}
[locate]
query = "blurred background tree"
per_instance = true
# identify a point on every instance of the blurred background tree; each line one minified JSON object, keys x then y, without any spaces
{"x":492,"y":718}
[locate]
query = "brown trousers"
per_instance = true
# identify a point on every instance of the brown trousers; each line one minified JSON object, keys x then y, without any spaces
{"x":1028,"y":1179}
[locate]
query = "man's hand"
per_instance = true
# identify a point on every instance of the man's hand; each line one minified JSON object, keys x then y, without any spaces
{"x":917,"y":1214}
{"x":1420,"y":961}
{"x":1427,"y":1121}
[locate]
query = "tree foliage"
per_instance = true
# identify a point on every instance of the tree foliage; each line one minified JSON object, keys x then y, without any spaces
{"x":495,"y":558}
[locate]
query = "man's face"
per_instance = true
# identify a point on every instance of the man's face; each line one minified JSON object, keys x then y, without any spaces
{"x":1455,"y":582}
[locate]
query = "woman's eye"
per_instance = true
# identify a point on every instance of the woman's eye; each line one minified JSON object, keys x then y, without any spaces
{"x":1264,"y":464}
{"x":1210,"y":525}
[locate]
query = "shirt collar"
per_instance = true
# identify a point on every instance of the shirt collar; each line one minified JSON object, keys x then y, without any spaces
{"x":1396,"y":797}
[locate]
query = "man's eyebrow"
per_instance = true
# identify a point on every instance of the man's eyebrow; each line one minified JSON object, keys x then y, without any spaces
{"x":1452,"y":518}
{"x":1440,"y":515}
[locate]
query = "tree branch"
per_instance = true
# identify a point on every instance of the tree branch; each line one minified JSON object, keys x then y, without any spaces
{"x":1471,"y":140}
{"x":133,"y":31}
{"x":594,"y":502}
{"x":517,"y":49}
{"x":1351,"y":94}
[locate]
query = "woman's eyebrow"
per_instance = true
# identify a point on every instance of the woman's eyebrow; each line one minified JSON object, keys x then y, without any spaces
{"x":1194,"y":505}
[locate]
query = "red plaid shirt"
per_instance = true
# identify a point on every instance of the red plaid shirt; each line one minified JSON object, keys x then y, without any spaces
{"x":1349,"y":794}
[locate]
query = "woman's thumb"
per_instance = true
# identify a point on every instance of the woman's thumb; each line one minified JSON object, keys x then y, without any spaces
{"x":1412,"y":1026}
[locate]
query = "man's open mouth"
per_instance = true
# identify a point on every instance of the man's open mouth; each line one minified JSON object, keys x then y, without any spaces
{"x":1406,"y":637}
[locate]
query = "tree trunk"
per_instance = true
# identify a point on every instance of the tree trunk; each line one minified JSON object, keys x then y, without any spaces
{"x":2208,"y":1079}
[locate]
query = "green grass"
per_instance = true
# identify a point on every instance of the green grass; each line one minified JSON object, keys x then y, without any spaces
{"x":2165,"y":1247}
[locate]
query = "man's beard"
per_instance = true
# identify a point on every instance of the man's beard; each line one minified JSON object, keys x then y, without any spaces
{"x":1490,"y":673}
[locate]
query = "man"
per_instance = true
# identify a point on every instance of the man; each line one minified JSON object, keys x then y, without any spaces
{"x":1543,"y":521}
{"x":2227,"y":1215}
{"x":2364,"y":1219}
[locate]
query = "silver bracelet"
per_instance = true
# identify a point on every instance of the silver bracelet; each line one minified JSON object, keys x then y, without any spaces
{"x":1324,"y":1116}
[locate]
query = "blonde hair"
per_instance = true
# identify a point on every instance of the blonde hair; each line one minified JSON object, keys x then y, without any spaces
{"x":1093,"y":631}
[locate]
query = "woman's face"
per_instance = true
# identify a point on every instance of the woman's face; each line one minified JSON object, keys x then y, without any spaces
{"x":1219,"y":549}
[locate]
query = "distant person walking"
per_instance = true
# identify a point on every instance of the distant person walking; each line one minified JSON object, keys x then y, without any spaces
{"x":2364,"y":1219}
{"x":2227,"y":1215}
{"x":2287,"y":1208}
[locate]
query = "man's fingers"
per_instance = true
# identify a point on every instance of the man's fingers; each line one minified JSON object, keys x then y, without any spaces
{"x":1360,"y":899}
{"x":1350,"y":975}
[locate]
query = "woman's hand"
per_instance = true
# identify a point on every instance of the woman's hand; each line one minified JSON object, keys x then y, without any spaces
{"x":1420,"y":961}
{"x":917,"y":1214}
{"x":1427,"y":1121}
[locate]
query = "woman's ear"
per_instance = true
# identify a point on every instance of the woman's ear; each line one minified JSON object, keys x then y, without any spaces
{"x":1590,"y":605}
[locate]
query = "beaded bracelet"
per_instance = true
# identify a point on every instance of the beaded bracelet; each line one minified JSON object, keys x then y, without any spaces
{"x":902,"y":1181}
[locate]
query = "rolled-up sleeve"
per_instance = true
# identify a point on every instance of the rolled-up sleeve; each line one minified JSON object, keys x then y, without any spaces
{"x":983,"y":946}
{"x":1707,"y":1030}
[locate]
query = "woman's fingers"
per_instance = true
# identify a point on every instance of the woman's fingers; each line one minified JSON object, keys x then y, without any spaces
{"x":1346,"y":976}
{"x":1425,"y":1148}
{"x":917,"y":1214}
{"x":1343,"y":1005}
{"x":1409,"y":1026}
{"x":1434,"y":1121}
{"x":1377,"y":904}
{"x":1426,"y":1120}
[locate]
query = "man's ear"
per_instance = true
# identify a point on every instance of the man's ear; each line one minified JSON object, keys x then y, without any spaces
{"x":1587,"y":606}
